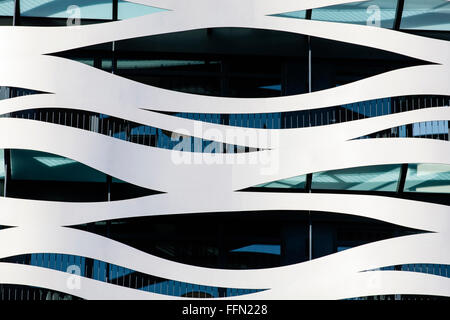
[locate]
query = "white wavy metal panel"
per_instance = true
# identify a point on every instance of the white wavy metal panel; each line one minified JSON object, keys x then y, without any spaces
{"x":40,"y":223}
{"x":414,"y":214}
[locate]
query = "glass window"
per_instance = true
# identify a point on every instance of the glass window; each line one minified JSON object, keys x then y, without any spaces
{"x":156,"y":64}
{"x":2,"y":172}
{"x":426,"y":15}
{"x":60,"y":262}
{"x":35,"y":165}
{"x":428,"y":178}
{"x":2,"y":164}
{"x":295,"y":14}
{"x":43,"y":176}
{"x":372,"y":178}
{"x":7,"y":8}
{"x":369,"y":108}
{"x":379,"y":13}
{"x":297,"y":182}
{"x":130,"y":10}
{"x":430,"y":128}
{"x":4,"y":93}
{"x":342,"y":248}
{"x":88,"y":9}
{"x":260,"y":248}
{"x":121,"y":190}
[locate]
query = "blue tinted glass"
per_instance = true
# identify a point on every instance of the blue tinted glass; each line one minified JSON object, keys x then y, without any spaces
{"x":130,"y":10}
{"x":428,"y":178}
{"x":150,"y":64}
{"x":4,"y":93}
{"x":2,"y":172}
{"x":2,"y":164}
{"x":116,"y":272}
{"x":99,"y":270}
{"x":426,"y":15}
{"x":372,"y":178}
{"x":371,"y":108}
{"x":85,"y":9}
{"x":379,"y":13}
{"x":7,"y":8}
{"x":297,"y":182}
{"x":66,"y":263}
{"x":275,"y":87}
{"x":260,"y":248}
{"x":34,"y":165}
{"x":430,"y":128}
{"x":295,"y":14}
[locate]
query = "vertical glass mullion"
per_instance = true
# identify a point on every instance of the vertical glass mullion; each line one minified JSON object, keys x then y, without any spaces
{"x":16,"y":16}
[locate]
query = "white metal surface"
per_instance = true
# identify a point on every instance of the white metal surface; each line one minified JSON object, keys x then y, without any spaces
{"x":76,"y":86}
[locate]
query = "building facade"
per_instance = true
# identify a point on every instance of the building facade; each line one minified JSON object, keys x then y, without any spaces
{"x":163,"y":149}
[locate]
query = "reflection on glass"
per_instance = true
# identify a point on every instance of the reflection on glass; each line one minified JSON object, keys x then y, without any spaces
{"x":379,"y":13}
{"x":2,"y":172}
{"x":370,"y":108}
{"x":428,"y":178}
{"x":260,"y":248}
{"x":295,"y":14}
{"x":130,"y":10}
{"x":89,"y":62}
{"x":2,"y":164}
{"x":4,"y":93}
{"x":152,"y":64}
{"x":118,"y":275}
{"x":426,"y":15}
{"x":430,"y":128}
{"x":297,"y":182}
{"x":89,"y":9}
{"x":7,"y":8}
{"x":437,"y":269}
{"x":275,"y":87}
{"x":371,"y":178}
{"x":40,"y":166}
{"x":59,"y":262}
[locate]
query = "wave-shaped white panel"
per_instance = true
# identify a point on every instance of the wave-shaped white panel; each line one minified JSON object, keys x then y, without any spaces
{"x":166,"y":174}
{"x":200,"y":129}
{"x":345,"y":264}
{"x":210,"y":183}
{"x":413,"y":214}
{"x":61,"y":281}
{"x":117,"y":92}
